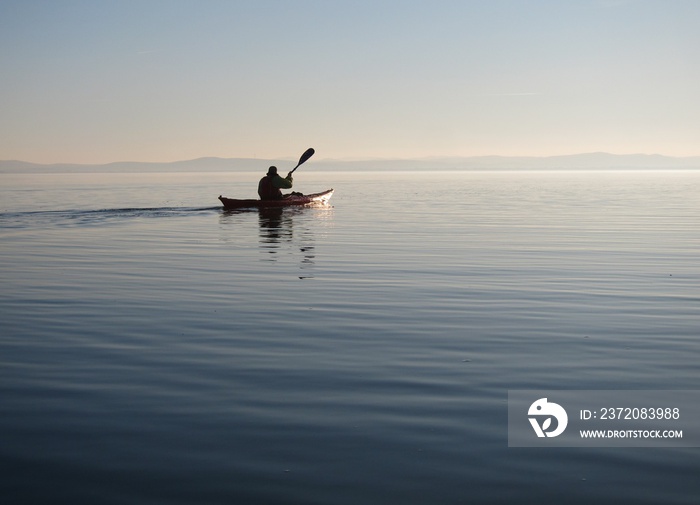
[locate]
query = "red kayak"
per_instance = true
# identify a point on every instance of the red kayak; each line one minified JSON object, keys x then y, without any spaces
{"x":315,"y":198}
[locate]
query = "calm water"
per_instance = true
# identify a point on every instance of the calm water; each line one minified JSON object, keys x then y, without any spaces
{"x":155,"y":349}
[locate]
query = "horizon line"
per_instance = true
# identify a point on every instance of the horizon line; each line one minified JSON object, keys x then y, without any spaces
{"x":359,"y":159}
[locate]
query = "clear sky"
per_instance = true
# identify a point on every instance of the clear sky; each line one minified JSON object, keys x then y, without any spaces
{"x":95,"y":81}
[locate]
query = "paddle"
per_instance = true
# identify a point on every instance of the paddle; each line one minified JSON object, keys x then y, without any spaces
{"x":304,"y":157}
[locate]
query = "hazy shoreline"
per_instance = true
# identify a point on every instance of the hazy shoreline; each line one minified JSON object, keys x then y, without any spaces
{"x":589,"y":161}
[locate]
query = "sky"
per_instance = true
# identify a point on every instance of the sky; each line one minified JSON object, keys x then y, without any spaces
{"x":87,"y":81}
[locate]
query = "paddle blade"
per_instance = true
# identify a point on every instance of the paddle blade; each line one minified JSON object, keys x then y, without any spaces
{"x":307,"y":154}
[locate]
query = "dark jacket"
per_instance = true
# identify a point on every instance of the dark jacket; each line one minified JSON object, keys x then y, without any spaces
{"x":270,"y":186}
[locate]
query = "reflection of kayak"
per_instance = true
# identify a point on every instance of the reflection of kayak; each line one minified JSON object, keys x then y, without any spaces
{"x":232,"y":203}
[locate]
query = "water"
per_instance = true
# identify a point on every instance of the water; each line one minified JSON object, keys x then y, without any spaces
{"x":156,"y":349}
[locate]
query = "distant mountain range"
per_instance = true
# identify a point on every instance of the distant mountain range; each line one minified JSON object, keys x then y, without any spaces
{"x":588,"y":161}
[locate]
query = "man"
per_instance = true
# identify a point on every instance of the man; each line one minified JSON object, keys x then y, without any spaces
{"x":270,"y":186}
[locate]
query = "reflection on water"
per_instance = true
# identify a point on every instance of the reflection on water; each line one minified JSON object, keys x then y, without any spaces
{"x":275,"y":227}
{"x":283,"y":233}
{"x":277,"y":236}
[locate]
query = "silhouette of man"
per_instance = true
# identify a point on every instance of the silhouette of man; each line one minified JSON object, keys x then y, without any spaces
{"x":270,"y":187}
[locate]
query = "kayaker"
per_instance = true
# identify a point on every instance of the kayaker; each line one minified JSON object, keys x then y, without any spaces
{"x":270,"y":187}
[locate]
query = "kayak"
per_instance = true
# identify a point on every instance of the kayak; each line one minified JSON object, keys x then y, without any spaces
{"x":315,"y":198}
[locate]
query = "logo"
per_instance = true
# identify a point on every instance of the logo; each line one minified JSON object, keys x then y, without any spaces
{"x":545,"y":411}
